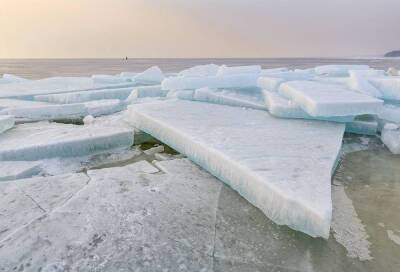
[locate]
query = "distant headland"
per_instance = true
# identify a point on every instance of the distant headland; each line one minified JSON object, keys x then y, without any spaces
{"x":391,"y":54}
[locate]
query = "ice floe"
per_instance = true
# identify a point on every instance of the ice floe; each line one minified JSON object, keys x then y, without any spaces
{"x":6,"y":122}
{"x":283,"y":168}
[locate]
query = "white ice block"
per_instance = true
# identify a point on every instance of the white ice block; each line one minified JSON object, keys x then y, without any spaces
{"x":390,"y":113}
{"x":326,"y":100}
{"x":282,"y":107}
{"x":282,"y":166}
{"x":108,"y":79}
{"x":146,"y":91}
{"x":85,"y":96}
{"x":151,"y":75}
{"x":270,"y":83}
{"x":238,"y":70}
{"x":266,"y":72}
{"x":388,"y":86}
{"x":103,"y":107}
{"x":15,"y":103}
{"x":53,"y":85}
{"x":367,"y":73}
{"x":12,"y":170}
{"x":214,"y":82}
{"x":226,"y":97}
{"x":200,"y":71}
{"x":338,"y":70}
{"x":36,"y":141}
{"x":361,"y":84}
{"x":7,"y":78}
{"x":48,"y":112}
{"x":391,"y":137}
{"x":6,"y":122}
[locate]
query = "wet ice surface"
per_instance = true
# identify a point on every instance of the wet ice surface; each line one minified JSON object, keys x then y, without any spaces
{"x":138,"y":217}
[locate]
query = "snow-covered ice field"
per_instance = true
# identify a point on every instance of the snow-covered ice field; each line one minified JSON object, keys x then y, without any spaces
{"x":269,"y":166}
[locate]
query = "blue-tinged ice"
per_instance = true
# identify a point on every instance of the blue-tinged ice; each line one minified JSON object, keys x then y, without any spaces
{"x":145,"y":91}
{"x":15,"y":103}
{"x":109,"y":79}
{"x":200,"y":71}
{"x":238,"y":70}
{"x":233,"y":98}
{"x":363,"y":125}
{"x":390,"y":113}
{"x":274,"y":80}
{"x":391,"y":137}
{"x":266,"y":72}
{"x":214,"y":82}
{"x":104,"y":107}
{"x":328,"y":100}
{"x":7,"y":78}
{"x":12,"y":170}
{"x":388,"y":86}
{"x":360,"y":83}
{"x":338,"y":70}
{"x":284,"y":168}
{"x":153,"y":75}
{"x":29,"y":142}
{"x":6,"y":122}
{"x":282,"y":107}
{"x":85,"y":96}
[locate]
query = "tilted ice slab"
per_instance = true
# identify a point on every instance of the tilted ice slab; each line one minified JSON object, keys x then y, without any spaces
{"x":280,"y":106}
{"x":46,"y":140}
{"x":150,"y":76}
{"x":215,"y":82}
{"x":14,"y":103}
{"x":18,"y":169}
{"x":226,"y":97}
{"x":338,"y":70}
{"x":391,"y":137}
{"x":388,"y":86}
{"x":6,"y":122}
{"x":326,"y":100}
{"x":200,"y":71}
{"x":281,"y":166}
{"x":145,"y":91}
{"x":361,"y":84}
{"x":85,"y":96}
{"x":274,"y":80}
{"x":55,"y":85}
{"x":238,"y":70}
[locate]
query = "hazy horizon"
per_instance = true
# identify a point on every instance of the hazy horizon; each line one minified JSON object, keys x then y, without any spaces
{"x":198,"y":29}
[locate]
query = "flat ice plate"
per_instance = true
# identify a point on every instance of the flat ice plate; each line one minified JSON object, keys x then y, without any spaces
{"x":281,"y":166}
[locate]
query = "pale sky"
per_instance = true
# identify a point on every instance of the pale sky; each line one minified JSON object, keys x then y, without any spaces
{"x":198,"y":28}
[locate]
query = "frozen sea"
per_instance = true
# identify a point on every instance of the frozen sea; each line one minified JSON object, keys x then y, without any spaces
{"x":231,"y":234}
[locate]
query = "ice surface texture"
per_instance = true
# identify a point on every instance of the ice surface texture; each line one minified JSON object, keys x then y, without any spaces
{"x":391,"y":137}
{"x":47,"y":140}
{"x":327,"y":100}
{"x":6,"y":122}
{"x":284,"y":167}
{"x":338,"y":70}
{"x":388,"y":86}
{"x":18,"y":169}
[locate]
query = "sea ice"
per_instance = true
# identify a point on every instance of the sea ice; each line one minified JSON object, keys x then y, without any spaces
{"x":18,"y":169}
{"x":270,"y":83}
{"x":150,"y":76}
{"x":225,"y":97}
{"x":238,"y":70}
{"x":108,"y":79}
{"x":361,"y":84}
{"x":214,"y":82}
{"x":145,"y":91}
{"x":363,"y":124}
{"x":266,"y":72}
{"x":36,"y":141}
{"x":103,"y":107}
{"x":7,"y":78}
{"x":85,"y":96}
{"x":15,"y":103}
{"x":6,"y":122}
{"x":55,"y":85}
{"x":200,"y":71}
{"x":284,"y":168}
{"x":280,"y":106}
{"x":389,"y":87}
{"x":338,"y":70}
{"x":390,"y":113}
{"x":326,"y":100}
{"x":391,"y":137}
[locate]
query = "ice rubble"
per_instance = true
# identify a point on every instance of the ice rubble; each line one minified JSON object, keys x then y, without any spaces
{"x":200,"y":71}
{"x":284,"y":168}
{"x":238,"y":70}
{"x":145,"y":91}
{"x":45,"y":140}
{"x":7,"y":78}
{"x":338,"y":70}
{"x":85,"y":96}
{"x":327,"y":100}
{"x":391,"y":137}
{"x":13,"y":170}
{"x":6,"y":122}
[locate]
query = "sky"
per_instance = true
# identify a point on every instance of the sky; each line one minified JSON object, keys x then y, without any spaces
{"x":197,"y":28}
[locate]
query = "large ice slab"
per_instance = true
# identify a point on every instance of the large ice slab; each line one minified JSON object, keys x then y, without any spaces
{"x":281,"y":166}
{"x":200,"y":70}
{"x":85,"y":96}
{"x":225,"y":97}
{"x":238,"y":70}
{"x":338,"y":70}
{"x":13,"y":170}
{"x":53,"y":85}
{"x":14,"y":103}
{"x":226,"y":81}
{"x":326,"y":100}
{"x":46,"y":140}
{"x":150,"y":76}
{"x":146,"y":91}
{"x":363,"y":125}
{"x":104,"y":107}
{"x":8,"y":78}
{"x":280,"y":106}
{"x":6,"y":122}
{"x":361,"y":84}
{"x":388,"y":86}
{"x":390,"y":113}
